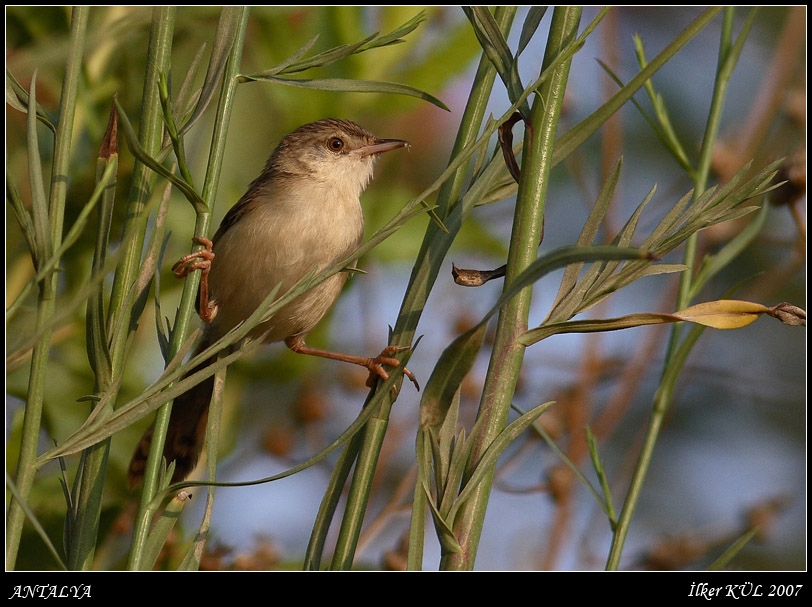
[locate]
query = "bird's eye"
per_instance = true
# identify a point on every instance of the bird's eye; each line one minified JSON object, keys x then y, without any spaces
{"x":335,"y":144}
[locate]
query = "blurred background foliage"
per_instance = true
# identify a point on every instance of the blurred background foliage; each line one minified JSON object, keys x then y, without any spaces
{"x":732,"y":389}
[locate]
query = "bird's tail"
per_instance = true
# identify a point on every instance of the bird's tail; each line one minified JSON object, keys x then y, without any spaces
{"x":186,"y":433}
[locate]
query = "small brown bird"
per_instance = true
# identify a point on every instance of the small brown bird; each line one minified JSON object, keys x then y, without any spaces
{"x":302,"y":212}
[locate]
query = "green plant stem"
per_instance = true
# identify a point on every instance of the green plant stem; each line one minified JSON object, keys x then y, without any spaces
{"x":423,"y":276}
{"x":358,"y":496}
{"x":186,"y":311}
{"x":678,"y":349}
{"x":32,"y":418}
{"x":327,"y":508}
{"x":435,"y":245}
{"x":150,"y":137}
{"x":85,"y":507}
{"x":48,"y":287}
{"x":508,"y":354}
{"x":434,"y":249}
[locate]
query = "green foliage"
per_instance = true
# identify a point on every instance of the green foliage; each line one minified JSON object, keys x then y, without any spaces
{"x":196,"y":94}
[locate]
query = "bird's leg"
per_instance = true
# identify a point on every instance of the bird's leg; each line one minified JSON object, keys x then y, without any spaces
{"x":375,"y":365}
{"x":199,"y":260}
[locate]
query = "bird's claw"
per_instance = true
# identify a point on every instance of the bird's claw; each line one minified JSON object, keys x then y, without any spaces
{"x":376,"y":370}
{"x":199,"y":260}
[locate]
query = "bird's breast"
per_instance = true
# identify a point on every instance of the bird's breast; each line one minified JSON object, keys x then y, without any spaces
{"x":277,"y":243}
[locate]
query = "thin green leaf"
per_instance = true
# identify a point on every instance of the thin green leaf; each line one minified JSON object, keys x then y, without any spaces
{"x":77,"y":300}
{"x":562,"y":257}
{"x":70,"y":510}
{"x":285,"y":66}
{"x":296,"y":64}
{"x":396,"y":35}
{"x":624,"y":237}
{"x":663,"y":126}
{"x":573,"y":138}
{"x":162,"y":335}
{"x":725,"y":558}
{"x":160,"y":532}
{"x":439,"y":460}
{"x":105,"y":181}
{"x":356,"y":86}
{"x":187,"y":98}
{"x":597,"y":464}
{"x":668,"y":222}
{"x":135,"y":147}
{"x":496,"y":48}
{"x":417,"y":526}
{"x":531,"y":23}
{"x":490,"y":38}
{"x":719,"y":314}
{"x":96,"y":326}
{"x":634,"y":271}
{"x":733,"y":53}
{"x":17,"y":97}
{"x":137,"y":295}
{"x":322,"y":59}
{"x":446,"y":436}
{"x":227,"y":29}
{"x":457,"y":359}
{"x":32,"y":518}
{"x":568,"y":463}
{"x":661,"y":268}
{"x":50,"y":264}
{"x":454,"y":364}
{"x":445,"y":533}
{"x":457,"y":452}
{"x":601,"y":279}
{"x":487,"y":462}
{"x":39,"y":201}
{"x":172,"y":132}
{"x":588,"y":233}
{"x":24,"y":219}
{"x":441,"y":439}
{"x":629,"y":321}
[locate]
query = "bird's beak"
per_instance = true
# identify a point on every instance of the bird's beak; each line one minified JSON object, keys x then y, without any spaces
{"x":379,"y":147}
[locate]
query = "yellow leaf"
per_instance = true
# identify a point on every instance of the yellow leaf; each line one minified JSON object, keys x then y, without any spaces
{"x":723,"y":313}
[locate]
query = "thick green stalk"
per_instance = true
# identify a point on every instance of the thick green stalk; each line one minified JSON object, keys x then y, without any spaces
{"x":677,"y":350}
{"x":48,"y":287}
{"x":507,"y":355}
{"x":85,"y":507}
{"x":150,"y":137}
{"x":434,"y":248}
{"x":358,"y":496}
{"x":186,"y":309}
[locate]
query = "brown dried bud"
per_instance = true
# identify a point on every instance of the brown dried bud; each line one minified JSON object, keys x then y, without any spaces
{"x":110,"y":144}
{"x":506,"y":143}
{"x":789,"y":314}
{"x":475,"y":278}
